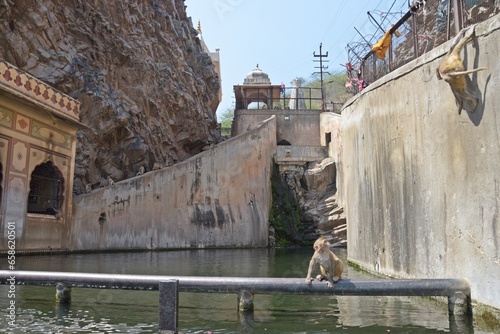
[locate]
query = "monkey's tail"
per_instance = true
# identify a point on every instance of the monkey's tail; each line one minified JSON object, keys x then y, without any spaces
{"x":457,"y":74}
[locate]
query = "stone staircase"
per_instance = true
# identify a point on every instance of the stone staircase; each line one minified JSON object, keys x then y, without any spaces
{"x":332,"y":223}
{"x":315,"y":190}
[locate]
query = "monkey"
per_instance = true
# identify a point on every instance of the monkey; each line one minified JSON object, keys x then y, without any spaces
{"x":208,"y":147}
{"x":110,"y":181}
{"x":141,"y":171}
{"x":157,"y":166}
{"x":103,"y":182}
{"x":330,"y":265}
{"x":452,"y":71}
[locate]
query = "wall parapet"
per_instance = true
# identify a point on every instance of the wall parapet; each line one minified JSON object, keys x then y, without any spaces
{"x":300,"y":153}
{"x":28,"y":87}
{"x":218,"y":198}
{"x":421,"y":190}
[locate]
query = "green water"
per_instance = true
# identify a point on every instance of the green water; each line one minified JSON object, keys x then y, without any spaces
{"x":124,"y":311}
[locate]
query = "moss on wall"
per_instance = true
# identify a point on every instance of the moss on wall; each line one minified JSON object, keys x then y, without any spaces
{"x":284,"y":215}
{"x":487,"y":317}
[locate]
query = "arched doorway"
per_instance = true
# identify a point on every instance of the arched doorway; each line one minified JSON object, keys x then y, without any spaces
{"x":284,"y":142}
{"x":46,"y":190}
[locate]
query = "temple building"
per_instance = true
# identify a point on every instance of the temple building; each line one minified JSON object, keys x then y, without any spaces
{"x":298,"y":132}
{"x":38,"y":126}
{"x":257,"y":89}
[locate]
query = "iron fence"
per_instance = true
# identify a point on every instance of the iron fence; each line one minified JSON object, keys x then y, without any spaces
{"x":304,"y":98}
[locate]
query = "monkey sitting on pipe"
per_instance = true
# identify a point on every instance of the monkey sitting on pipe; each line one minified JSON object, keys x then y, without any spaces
{"x":330,"y":265}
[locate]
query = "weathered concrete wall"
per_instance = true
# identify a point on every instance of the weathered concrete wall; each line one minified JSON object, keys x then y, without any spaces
{"x":331,"y":123}
{"x":300,"y":154}
{"x":289,"y":158}
{"x":331,"y":126}
{"x":298,"y":127}
{"x":422,"y":182}
{"x":219,"y":198}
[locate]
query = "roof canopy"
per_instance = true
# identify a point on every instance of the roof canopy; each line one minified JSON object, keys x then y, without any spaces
{"x":257,"y":77}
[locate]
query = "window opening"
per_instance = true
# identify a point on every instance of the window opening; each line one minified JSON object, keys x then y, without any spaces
{"x":46,"y":190}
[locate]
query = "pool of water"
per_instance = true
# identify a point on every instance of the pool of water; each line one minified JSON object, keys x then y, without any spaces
{"x":124,"y":311}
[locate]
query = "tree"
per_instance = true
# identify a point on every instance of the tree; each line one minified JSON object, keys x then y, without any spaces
{"x":335,"y":91}
{"x":226,"y":121}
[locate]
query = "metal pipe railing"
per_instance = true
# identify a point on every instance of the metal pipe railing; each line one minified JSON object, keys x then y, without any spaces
{"x":457,"y":290}
{"x":264,"y":285}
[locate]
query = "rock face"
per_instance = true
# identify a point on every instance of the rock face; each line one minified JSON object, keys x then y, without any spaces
{"x":148,"y":92}
{"x":315,"y":190}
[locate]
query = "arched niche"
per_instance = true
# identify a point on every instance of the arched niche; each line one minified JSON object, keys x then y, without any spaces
{"x":46,"y":192}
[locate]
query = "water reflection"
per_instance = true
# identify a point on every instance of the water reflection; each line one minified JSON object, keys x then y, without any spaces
{"x":123,"y":311}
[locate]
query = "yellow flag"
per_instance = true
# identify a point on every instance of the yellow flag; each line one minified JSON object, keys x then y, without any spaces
{"x":380,"y":48}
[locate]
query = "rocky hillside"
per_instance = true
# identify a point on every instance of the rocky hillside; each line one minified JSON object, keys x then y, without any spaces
{"x":304,"y":206}
{"x":148,"y":92}
{"x":315,"y":189}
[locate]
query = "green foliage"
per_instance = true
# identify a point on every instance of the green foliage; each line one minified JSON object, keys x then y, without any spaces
{"x":284,"y":215}
{"x":334,"y":88}
{"x":226,"y":121}
{"x":487,"y":318}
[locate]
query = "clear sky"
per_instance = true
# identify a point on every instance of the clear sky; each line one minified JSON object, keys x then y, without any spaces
{"x":281,"y":36}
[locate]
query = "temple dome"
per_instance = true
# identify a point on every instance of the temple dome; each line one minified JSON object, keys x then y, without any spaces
{"x":257,"y":77}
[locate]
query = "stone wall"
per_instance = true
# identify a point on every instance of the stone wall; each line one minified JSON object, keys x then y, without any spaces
{"x":331,"y":134}
{"x":300,"y":155}
{"x":220,"y":197}
{"x":331,"y":128}
{"x":298,"y":127}
{"x":422,"y":182}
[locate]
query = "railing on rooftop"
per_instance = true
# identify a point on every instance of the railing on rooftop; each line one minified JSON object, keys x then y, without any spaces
{"x":303,"y":98}
{"x":456,"y":290}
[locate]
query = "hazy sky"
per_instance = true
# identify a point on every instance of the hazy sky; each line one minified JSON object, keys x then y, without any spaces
{"x":281,"y":36}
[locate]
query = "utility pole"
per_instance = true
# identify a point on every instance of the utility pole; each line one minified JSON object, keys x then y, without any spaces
{"x":321,"y":67}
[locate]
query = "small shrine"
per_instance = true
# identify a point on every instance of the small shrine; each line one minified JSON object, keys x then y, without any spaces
{"x":257,"y":90}
{"x":258,"y":100}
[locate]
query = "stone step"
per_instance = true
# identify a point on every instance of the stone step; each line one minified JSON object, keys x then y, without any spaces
{"x":340,"y":230}
{"x":325,"y":209}
{"x":337,"y":211}
{"x":331,"y":199}
{"x":326,"y":224}
{"x":336,"y":240}
{"x":340,"y":243}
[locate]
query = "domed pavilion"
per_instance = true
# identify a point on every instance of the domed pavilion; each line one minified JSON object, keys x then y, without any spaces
{"x":257,"y":88}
